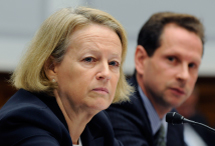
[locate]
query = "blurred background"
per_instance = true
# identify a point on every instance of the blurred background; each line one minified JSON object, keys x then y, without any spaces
{"x":19,"y":20}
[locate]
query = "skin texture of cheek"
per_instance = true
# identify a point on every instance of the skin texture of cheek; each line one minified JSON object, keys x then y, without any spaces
{"x":159,"y":88}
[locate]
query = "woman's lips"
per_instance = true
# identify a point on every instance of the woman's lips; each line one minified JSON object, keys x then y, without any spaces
{"x":101,"y":90}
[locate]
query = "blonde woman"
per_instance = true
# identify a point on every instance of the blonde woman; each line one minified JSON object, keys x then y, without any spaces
{"x":70,"y":73}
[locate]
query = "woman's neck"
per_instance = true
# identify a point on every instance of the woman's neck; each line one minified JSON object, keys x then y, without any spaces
{"x":76,"y":119}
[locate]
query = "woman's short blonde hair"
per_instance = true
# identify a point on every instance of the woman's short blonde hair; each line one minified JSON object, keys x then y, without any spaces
{"x":52,"y":40}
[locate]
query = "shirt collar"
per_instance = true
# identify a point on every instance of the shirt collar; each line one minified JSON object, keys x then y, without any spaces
{"x":154,"y":119}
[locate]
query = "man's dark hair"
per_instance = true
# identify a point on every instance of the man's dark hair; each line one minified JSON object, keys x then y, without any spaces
{"x":149,"y":35}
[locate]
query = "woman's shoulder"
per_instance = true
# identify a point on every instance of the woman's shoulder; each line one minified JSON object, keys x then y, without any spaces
{"x":22,"y":104}
{"x":21,"y":99}
{"x":25,"y":106}
{"x":25,"y":115}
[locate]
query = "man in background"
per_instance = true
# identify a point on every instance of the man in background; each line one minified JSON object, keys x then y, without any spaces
{"x":167,"y":59}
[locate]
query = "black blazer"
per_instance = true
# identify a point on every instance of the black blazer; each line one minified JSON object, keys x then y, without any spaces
{"x":132,"y":126}
{"x":35,"y":119}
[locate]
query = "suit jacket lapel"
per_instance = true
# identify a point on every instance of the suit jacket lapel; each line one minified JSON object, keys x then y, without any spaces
{"x":138,"y":102}
{"x":93,"y":133}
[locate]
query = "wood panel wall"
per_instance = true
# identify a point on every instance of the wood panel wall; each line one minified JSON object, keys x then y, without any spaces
{"x":206,"y":104}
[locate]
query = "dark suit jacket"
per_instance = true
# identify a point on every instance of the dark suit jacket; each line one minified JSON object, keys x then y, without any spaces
{"x":36,"y":120}
{"x":132,"y":126}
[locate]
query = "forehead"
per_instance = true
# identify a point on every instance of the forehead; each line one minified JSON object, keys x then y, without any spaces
{"x":93,"y":30}
{"x":173,"y":30}
{"x":177,"y":39}
{"x":94,"y":36}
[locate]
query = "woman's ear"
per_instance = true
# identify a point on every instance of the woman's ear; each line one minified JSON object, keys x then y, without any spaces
{"x":140,"y":58}
{"x":49,"y":68}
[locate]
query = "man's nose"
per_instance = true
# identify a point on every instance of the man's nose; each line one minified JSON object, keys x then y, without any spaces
{"x":183,"y":73}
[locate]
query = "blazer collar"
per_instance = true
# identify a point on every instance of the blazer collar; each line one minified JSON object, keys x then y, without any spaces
{"x":51,"y":102}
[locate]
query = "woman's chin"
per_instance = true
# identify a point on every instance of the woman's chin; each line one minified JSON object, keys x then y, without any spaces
{"x":99,"y":105}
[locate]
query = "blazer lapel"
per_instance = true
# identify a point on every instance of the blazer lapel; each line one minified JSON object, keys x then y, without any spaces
{"x":92,"y":135}
{"x":138,"y":102}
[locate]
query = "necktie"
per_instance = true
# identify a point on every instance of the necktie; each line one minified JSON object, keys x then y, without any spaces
{"x":160,"y":137}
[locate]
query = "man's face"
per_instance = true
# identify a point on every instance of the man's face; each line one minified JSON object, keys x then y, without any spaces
{"x":170,"y":74}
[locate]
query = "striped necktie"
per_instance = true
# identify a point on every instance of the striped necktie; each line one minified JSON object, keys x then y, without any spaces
{"x":160,"y":137}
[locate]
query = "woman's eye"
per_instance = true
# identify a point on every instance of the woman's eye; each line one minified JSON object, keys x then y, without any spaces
{"x":114,"y":63}
{"x":89,"y":59}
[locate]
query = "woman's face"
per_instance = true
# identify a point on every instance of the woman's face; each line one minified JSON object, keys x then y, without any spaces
{"x":88,"y":75}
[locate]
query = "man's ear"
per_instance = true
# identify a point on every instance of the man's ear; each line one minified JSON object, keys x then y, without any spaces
{"x":50,"y":68}
{"x":140,"y":58}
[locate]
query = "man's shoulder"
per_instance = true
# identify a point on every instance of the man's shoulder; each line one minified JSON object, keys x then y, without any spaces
{"x":135,"y":102}
{"x":130,"y":112}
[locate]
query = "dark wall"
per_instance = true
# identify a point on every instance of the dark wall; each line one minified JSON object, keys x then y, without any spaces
{"x":206,"y":104}
{"x":6,"y":90}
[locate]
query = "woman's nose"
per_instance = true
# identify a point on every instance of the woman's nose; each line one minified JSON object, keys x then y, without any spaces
{"x":104,"y":72}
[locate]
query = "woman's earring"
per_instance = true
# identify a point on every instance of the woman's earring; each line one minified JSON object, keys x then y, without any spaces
{"x":53,"y":80}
